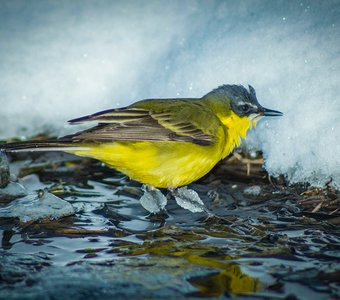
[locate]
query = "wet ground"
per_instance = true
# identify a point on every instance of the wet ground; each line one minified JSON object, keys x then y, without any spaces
{"x":266,"y":240}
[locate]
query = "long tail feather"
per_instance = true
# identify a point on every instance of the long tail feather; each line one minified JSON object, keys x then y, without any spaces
{"x":42,"y":145}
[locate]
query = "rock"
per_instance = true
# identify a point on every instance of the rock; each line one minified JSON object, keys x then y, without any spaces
{"x":4,"y":170}
{"x":37,"y":206}
{"x":13,"y":190}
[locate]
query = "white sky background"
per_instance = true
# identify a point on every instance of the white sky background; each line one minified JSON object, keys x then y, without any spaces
{"x":63,"y":59}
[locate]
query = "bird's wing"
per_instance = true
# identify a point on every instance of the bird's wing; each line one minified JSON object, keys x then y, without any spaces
{"x":143,"y":124}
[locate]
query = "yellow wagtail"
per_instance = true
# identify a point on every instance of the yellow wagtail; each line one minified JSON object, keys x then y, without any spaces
{"x":165,"y":143}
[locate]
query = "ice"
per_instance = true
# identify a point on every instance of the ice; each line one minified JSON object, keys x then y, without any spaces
{"x":153,"y":200}
{"x":79,"y":57}
{"x":254,"y":190}
{"x":189,"y":199}
{"x":41,"y":205}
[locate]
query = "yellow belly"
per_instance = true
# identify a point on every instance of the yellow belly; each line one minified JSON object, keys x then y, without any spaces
{"x":161,"y":164}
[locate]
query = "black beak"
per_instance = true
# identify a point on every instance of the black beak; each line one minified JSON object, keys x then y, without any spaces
{"x":271,"y":113}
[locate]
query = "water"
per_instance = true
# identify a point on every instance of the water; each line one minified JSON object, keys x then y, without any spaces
{"x":258,"y":246}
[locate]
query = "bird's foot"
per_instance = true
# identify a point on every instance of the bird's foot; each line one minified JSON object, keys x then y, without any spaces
{"x":190,"y":200}
{"x":153,"y":200}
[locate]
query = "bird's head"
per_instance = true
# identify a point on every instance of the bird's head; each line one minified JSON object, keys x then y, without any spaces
{"x":242,"y":102}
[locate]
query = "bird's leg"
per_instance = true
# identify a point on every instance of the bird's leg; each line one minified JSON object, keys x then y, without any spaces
{"x":152,"y":200}
{"x":190,"y":200}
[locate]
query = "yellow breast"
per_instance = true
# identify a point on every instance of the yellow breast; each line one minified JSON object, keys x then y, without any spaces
{"x":235,"y":127}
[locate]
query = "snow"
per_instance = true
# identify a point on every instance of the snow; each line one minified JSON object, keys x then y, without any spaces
{"x":60,"y":60}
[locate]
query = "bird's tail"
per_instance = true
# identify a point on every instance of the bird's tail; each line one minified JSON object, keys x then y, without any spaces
{"x":43,"y":145}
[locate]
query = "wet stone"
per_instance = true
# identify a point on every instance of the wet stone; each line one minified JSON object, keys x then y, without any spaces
{"x":12,"y":191}
{"x":38,"y":206}
{"x":4,"y":170}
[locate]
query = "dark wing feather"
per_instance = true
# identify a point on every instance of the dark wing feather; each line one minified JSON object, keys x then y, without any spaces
{"x":137,"y":124}
{"x":113,"y":116}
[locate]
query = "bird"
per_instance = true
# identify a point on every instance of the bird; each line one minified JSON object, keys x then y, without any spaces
{"x":163,"y":143}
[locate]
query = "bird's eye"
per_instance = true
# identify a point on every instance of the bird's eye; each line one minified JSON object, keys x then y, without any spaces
{"x":244,"y":108}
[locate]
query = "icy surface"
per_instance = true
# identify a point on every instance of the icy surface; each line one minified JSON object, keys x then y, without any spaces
{"x":77,"y":57}
{"x":43,"y":205}
{"x":254,"y":191}
{"x":153,"y":200}
{"x":189,"y":199}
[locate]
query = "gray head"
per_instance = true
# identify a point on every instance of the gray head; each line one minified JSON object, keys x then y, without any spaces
{"x":242,"y":101}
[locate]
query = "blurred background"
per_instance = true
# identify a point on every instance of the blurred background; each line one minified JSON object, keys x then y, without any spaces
{"x":63,"y":59}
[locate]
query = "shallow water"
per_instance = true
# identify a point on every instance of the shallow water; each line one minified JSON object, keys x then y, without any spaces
{"x":263,"y":243}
